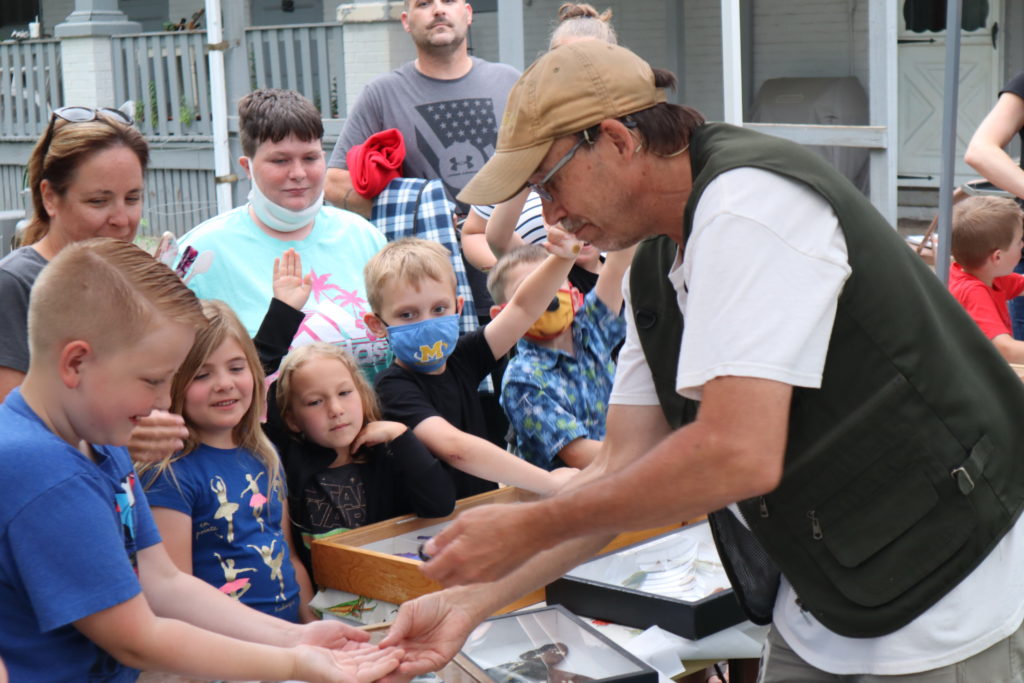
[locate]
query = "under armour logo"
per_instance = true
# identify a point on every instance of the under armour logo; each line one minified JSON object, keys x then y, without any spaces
{"x":456,"y":163}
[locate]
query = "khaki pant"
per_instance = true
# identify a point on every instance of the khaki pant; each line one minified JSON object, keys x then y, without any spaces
{"x":1001,"y":663}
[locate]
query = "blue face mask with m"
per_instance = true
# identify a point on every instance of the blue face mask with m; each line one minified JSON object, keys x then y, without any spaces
{"x":425,"y":346}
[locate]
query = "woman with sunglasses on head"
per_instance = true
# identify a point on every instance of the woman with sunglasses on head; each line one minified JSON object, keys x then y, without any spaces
{"x":86,"y":178}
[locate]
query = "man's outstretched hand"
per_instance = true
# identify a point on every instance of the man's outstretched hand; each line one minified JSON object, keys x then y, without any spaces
{"x":485,"y":543}
{"x":429,"y":630}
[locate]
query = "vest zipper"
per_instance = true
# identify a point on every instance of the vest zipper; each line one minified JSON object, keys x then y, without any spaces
{"x":815,"y":525}
{"x":763,"y":504}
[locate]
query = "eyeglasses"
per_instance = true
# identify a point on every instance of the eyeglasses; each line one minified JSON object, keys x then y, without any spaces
{"x":539,"y":188}
{"x":75,"y":114}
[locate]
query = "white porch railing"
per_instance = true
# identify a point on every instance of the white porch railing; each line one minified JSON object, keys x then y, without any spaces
{"x":308,"y":58}
{"x":165,"y":75}
{"x":30,"y":86}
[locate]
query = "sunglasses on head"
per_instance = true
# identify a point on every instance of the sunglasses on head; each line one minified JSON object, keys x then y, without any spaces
{"x":76,"y":114}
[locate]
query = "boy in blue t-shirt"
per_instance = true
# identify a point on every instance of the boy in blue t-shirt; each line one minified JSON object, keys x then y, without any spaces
{"x":87,"y":588}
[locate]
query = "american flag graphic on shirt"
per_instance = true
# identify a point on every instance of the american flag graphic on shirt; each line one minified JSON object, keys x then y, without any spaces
{"x":460,"y":137}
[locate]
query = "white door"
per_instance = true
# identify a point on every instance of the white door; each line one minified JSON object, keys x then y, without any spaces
{"x":922,"y":64}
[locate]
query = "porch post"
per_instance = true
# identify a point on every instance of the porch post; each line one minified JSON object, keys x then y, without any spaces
{"x":882,"y":103}
{"x":236,"y":64}
{"x":732,"y":64}
{"x":951,"y":91}
{"x":510,"y":33}
{"x":88,"y":65}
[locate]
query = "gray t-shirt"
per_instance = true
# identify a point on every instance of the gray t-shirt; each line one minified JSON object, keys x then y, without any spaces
{"x":450,"y":126}
{"x":18,"y":271}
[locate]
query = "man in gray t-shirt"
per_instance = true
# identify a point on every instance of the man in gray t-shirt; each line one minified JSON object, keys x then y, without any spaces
{"x":447,"y":104}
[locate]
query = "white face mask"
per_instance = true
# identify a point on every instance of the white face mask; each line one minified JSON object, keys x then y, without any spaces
{"x":277,"y":217}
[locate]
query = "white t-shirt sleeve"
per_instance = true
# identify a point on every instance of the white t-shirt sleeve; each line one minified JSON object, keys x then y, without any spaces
{"x":759,"y":282}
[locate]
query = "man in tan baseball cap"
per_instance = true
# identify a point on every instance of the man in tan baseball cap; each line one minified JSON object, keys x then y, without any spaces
{"x":567,"y":91}
{"x":595,"y":100}
{"x":850,"y":415}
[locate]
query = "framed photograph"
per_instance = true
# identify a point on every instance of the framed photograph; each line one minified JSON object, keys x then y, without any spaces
{"x":675,"y":580}
{"x":550,"y":645}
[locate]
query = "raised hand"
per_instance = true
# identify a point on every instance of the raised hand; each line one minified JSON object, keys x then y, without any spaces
{"x":289,"y":285}
{"x":561,"y":243}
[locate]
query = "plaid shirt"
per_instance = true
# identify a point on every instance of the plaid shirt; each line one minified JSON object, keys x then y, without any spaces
{"x":393,"y":215}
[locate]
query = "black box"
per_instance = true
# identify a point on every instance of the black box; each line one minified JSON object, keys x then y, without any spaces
{"x":550,"y":644}
{"x":612,"y":586}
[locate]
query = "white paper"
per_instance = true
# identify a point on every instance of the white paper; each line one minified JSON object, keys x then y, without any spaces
{"x":658,"y":651}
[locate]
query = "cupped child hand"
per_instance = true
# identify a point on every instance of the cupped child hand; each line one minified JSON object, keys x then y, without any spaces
{"x":378,"y":432}
{"x":364,"y":664}
{"x":157,"y":436}
{"x":289,"y":284}
{"x":331,"y":634}
{"x":562,"y":244}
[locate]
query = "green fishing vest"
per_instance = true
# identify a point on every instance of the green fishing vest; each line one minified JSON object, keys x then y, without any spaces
{"x":906,"y":467}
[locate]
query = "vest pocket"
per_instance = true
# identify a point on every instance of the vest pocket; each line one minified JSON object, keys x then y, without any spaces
{"x":897,"y":535}
{"x":874,"y":504}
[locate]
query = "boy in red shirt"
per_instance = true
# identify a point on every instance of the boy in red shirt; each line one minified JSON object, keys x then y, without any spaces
{"x":986,"y":245}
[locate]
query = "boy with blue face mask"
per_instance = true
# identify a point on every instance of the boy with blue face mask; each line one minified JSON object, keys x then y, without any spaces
{"x":432,"y":385}
{"x":281,"y":133}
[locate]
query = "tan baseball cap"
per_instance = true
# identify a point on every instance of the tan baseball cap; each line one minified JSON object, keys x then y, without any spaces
{"x":568,"y":90}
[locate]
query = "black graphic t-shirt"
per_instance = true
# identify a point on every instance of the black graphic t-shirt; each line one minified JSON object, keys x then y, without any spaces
{"x":336,"y":498}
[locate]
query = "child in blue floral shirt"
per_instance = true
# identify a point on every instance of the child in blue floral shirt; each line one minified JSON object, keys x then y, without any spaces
{"x":555,"y":390}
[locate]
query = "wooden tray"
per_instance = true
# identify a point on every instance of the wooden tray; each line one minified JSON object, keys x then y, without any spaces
{"x":341,"y":561}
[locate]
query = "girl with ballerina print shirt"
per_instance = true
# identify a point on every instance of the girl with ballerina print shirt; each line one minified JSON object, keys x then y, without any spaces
{"x":219,"y":502}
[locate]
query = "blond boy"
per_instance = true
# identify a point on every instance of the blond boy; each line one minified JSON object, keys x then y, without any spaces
{"x":87,"y":588}
{"x":555,"y":390}
{"x":432,"y":385}
{"x":986,"y":246}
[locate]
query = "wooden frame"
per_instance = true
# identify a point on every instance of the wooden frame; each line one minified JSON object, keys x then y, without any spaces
{"x":342,"y":562}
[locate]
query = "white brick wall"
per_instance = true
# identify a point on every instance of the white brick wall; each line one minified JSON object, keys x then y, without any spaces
{"x":808,"y":39}
{"x":88,"y":72}
{"x":372,"y":49}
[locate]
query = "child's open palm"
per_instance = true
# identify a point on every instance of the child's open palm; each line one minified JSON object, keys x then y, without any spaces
{"x":359,"y":664}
